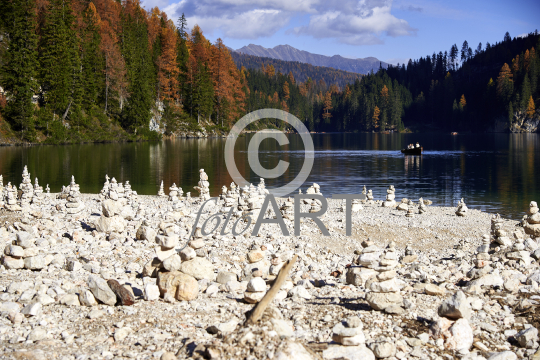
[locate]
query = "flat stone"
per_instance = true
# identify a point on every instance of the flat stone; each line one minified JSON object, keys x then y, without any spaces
{"x":102,"y":292}
{"x":358,"y":275}
{"x":32,"y":309}
{"x":110,"y":224}
{"x":224,"y":277}
{"x":12,"y":263}
{"x":199,"y":268}
{"x":254,"y":297}
{"x":255,"y":256}
{"x":380,"y":301}
{"x":34,"y":262}
{"x":348,"y":353}
{"x":432,"y":289}
{"x":14,"y":251}
{"x":188,"y":253}
{"x":172,"y":263}
{"x":37,"y":334}
{"x":256,"y":284}
{"x":167,"y":242}
{"x":70,"y":300}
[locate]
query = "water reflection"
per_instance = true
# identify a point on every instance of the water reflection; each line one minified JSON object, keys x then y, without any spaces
{"x":495,"y":172}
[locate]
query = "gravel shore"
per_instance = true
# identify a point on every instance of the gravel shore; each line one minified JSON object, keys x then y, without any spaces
{"x":118,"y":276}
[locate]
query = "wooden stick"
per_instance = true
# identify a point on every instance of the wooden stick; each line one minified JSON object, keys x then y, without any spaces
{"x":258,"y":310}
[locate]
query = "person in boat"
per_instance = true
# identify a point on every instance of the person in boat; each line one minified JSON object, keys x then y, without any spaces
{"x":417,"y":145}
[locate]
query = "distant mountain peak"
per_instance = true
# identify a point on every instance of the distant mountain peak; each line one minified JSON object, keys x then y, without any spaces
{"x":289,"y":53}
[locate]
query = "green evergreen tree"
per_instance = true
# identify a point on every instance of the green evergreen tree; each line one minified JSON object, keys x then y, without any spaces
{"x":92,"y":60}
{"x":510,"y":114}
{"x":140,"y":71}
{"x":182,"y":59}
{"x":525,"y":93}
{"x":203,"y":93}
{"x":59,"y":59}
{"x":19,"y":67}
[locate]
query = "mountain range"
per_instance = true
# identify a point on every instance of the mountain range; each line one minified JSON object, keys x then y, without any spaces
{"x":289,"y":53}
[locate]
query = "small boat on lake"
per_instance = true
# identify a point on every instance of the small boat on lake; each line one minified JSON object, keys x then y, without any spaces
{"x":454,"y":133}
{"x":413,"y":151}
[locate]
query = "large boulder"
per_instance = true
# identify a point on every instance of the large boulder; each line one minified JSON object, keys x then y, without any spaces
{"x":175,"y":284}
{"x":110,"y":224}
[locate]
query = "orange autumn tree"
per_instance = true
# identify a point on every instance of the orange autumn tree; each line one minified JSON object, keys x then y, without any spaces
{"x":327,"y":105}
{"x":228,"y":84}
{"x":462,"y":101}
{"x":168,"y":84}
{"x":286,"y":93}
{"x":505,"y":85}
{"x":375,"y":117}
{"x":530,"y":108}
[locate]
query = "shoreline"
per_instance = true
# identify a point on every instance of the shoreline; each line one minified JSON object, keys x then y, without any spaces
{"x":435,"y":251}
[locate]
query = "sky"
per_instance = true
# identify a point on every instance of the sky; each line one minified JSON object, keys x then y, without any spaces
{"x":392,"y":31}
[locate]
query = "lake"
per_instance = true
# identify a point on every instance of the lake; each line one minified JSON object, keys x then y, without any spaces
{"x":492,"y":172}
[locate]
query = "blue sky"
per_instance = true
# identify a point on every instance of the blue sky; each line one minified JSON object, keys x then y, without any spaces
{"x":392,"y":31}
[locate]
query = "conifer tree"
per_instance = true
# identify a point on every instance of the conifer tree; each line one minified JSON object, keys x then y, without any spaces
{"x":19,"y":69}
{"x":139,"y":66}
{"x":375,"y":117}
{"x":91,"y":58}
{"x":327,"y":105}
{"x":59,"y":59}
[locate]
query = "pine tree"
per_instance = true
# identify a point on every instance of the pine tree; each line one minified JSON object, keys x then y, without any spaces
{"x":510,"y":113}
{"x":286,"y":92}
{"x":525,"y":93}
{"x":505,"y":84}
{"x":19,"y":69}
{"x":59,"y":59}
{"x":182,"y":59}
{"x":139,"y":65}
{"x":91,"y":58}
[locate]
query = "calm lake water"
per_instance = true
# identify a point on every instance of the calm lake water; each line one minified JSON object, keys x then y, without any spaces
{"x":493,"y":172}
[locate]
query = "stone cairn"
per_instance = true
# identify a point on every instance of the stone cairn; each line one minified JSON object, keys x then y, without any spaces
{"x":173,"y":284}
{"x":2,"y":192}
{"x":38,"y":193}
{"x":453,"y":325}
{"x":313,"y":189}
{"x":74,"y":204}
{"x":349,"y":332}
{"x":256,"y":287}
{"x":370,"y":199}
{"x":403,"y":205}
{"x":11,"y":198}
{"x":461,"y":208}
{"x":410,"y":209}
{"x":178,"y":207}
{"x":364,"y":192}
{"x":161,"y":192}
{"x":390,"y":197}
{"x":356,"y":205}
{"x":422,"y":208}
{"x":384,"y":286}
{"x":203,"y":186}
{"x":27,"y":188}
{"x":105,"y":191}
{"x":498,"y":235}
{"x":532,"y":226}
{"x":110,"y":220}
{"x":197,"y":244}
{"x":287,"y":209}
{"x":230,"y":198}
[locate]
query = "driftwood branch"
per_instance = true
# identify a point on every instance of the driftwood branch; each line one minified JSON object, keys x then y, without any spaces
{"x":258,"y":310}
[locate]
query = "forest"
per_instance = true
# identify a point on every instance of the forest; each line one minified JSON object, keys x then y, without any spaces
{"x":105,"y":70}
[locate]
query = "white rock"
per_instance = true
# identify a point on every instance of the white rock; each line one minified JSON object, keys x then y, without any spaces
{"x":299,"y":291}
{"x":256,"y":284}
{"x":86,"y":298}
{"x":151,"y":292}
{"x":456,"y":307}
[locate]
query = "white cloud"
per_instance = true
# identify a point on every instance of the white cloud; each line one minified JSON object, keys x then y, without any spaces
{"x":356,"y":22}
